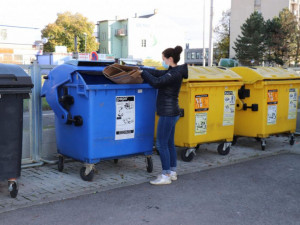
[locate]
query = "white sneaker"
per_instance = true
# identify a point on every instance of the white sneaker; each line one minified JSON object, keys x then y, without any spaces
{"x":173,"y":175}
{"x":161,"y":179}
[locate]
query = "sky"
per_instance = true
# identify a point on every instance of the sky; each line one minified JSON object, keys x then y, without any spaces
{"x":187,"y":13}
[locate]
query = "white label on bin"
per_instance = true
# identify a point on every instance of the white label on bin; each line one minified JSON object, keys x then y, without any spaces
{"x":292,"y":104}
{"x":125,"y":117}
{"x":200,"y":123}
{"x":229,"y":108}
{"x":272,"y":114}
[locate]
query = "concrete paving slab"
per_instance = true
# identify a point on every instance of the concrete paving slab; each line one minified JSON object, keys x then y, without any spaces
{"x":45,"y":184}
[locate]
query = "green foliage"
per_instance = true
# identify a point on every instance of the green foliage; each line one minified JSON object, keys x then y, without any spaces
{"x":282,"y":38}
{"x":250,"y":45}
{"x":63,"y":31}
{"x":274,"y":38}
{"x":222,"y":32}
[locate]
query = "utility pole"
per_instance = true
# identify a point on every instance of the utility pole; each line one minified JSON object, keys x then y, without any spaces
{"x":204,"y":52}
{"x":211,"y":51}
{"x":75,"y":53}
{"x":85,"y":34}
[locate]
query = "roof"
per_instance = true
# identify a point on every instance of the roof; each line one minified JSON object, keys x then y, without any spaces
{"x":147,"y":16}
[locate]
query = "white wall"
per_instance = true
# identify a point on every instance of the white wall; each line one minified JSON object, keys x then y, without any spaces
{"x":271,"y":8}
{"x":19,"y":35}
{"x":240,"y":11}
{"x":158,"y":31}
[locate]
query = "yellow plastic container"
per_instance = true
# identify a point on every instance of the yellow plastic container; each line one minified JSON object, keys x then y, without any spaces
{"x":267,"y":103}
{"x":207,"y":99}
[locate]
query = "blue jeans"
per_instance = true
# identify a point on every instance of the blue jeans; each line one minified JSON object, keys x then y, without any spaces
{"x":165,"y":143}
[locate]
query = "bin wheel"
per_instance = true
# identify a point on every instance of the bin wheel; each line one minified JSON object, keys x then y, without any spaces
{"x":292,"y":140}
{"x":88,"y":177}
{"x":60,"y":164}
{"x":258,"y":139}
{"x":186,"y":158}
{"x":221,"y":151}
{"x":116,"y":161}
{"x":263,"y":144}
{"x":234,"y":140}
{"x":13,"y":189}
{"x":149,"y":164}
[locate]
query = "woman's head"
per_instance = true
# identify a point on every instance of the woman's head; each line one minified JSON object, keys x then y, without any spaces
{"x":172,"y":55}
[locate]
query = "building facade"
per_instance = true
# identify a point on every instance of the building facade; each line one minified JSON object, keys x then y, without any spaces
{"x":19,"y":45}
{"x":241,"y":10}
{"x":141,"y":37}
{"x":194,"y":56}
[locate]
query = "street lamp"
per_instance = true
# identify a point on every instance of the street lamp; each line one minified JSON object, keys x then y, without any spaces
{"x":85,"y":34}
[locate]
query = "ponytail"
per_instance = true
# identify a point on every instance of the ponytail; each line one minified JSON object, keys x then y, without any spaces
{"x":174,"y":53}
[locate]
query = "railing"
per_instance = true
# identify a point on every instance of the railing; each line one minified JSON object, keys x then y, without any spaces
{"x":121,"y":32}
{"x":35,"y":113}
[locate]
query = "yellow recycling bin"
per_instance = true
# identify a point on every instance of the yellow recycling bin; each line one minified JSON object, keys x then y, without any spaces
{"x":267,"y":103}
{"x":207,"y":100}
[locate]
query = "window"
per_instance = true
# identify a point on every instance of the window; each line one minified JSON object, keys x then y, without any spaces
{"x":193,"y":55}
{"x":197,"y":55}
{"x":188,"y":55}
{"x":103,"y":36}
{"x":3,"y":34}
{"x":144,"y":43}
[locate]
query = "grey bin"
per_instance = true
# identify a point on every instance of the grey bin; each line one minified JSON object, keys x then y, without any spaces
{"x":15,"y":86}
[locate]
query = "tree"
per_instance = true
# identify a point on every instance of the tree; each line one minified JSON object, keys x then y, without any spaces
{"x":284,"y":39}
{"x":274,"y":41}
{"x":288,"y":34}
{"x":250,"y":45}
{"x":64,"y":30}
{"x":222,"y":32}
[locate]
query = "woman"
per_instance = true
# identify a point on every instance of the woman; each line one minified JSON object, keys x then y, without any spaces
{"x":168,"y":83}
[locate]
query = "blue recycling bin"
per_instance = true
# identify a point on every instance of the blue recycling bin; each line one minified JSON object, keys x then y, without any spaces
{"x":96,"y":119}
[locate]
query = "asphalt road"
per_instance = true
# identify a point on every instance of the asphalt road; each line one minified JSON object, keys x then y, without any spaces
{"x":261,"y":191}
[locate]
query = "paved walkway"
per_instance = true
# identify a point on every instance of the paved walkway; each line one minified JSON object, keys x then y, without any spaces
{"x":44,"y":184}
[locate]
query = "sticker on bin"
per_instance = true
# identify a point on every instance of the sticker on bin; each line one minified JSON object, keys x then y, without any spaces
{"x":272,"y":114}
{"x":229,"y":108}
{"x":292,"y":104}
{"x":201,"y":102}
{"x":272,"y":97}
{"x":125,"y":117}
{"x":200,"y":123}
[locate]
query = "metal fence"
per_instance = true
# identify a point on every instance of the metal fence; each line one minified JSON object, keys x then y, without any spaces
{"x":32,"y":133}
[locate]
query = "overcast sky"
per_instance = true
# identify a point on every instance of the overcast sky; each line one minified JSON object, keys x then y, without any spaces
{"x":187,"y":13}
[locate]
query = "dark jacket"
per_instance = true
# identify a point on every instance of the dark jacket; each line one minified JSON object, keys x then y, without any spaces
{"x":168,"y":83}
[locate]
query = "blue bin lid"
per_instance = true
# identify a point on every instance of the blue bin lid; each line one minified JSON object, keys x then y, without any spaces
{"x":61,"y":75}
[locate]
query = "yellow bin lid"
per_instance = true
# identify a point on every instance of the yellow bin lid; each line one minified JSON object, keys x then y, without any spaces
{"x":253,"y":74}
{"x":200,"y":74}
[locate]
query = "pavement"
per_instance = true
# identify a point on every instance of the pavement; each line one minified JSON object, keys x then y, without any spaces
{"x":261,"y":191}
{"x":41,"y":185}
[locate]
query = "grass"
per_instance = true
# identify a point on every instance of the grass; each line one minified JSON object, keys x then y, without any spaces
{"x":45,"y":105}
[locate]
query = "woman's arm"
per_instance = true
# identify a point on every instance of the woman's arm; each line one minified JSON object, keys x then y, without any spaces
{"x":154,"y":72}
{"x":160,"y":81}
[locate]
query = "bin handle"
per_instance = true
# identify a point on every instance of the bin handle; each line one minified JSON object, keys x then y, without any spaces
{"x":61,"y":113}
{"x":9,"y":76}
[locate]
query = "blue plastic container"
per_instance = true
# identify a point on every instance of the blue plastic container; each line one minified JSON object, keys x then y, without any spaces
{"x":96,"y":119}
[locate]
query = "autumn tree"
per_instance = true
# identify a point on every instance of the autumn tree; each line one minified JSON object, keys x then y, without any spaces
{"x":222,"y":32}
{"x":289,"y":28}
{"x":63,"y":31}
